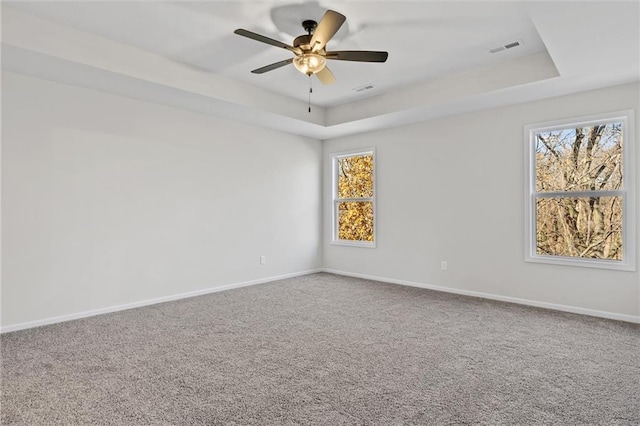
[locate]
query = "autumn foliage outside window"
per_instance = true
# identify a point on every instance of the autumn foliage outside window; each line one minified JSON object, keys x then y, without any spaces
{"x":354,"y":198}
{"x":578,"y":191}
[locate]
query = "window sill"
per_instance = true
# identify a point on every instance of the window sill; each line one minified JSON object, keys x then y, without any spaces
{"x":582,"y":263}
{"x":353,"y":243}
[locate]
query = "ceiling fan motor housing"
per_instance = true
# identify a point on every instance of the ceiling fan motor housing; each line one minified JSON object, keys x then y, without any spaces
{"x":302,"y":41}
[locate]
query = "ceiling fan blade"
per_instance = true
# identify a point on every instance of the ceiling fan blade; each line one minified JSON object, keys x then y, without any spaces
{"x":326,"y":76}
{"x":272,"y":66}
{"x":327,"y":27}
{"x":358,"y":55}
{"x":267,"y":40}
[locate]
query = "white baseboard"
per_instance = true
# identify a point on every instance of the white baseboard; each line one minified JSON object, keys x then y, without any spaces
{"x":100,"y":311}
{"x":94,"y":312}
{"x":576,"y":310}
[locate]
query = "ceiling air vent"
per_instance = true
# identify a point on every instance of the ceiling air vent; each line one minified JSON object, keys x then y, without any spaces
{"x":505,"y":47}
{"x":363,"y":88}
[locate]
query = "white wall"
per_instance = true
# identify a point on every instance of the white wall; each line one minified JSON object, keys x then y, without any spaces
{"x":451,"y":189}
{"x":109,"y":201}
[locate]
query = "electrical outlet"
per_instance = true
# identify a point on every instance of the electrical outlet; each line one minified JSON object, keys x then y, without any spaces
{"x":263,"y":260}
{"x":443,"y":265}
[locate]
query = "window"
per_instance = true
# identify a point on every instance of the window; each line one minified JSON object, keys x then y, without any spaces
{"x":354,"y":199}
{"x":579,"y":206}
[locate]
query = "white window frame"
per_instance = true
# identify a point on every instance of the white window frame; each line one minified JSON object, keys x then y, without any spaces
{"x":627,"y":194}
{"x":335,"y":200}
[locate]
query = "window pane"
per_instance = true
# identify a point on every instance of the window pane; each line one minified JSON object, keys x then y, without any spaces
{"x":580,"y":227}
{"x":355,"y":221}
{"x":579,"y":159}
{"x":355,"y":177}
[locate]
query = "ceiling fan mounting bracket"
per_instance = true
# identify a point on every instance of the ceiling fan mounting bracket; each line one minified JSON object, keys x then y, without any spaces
{"x":309,"y":25}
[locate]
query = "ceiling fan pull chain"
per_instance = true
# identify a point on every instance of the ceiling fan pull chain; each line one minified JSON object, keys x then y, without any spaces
{"x":310,"y":92}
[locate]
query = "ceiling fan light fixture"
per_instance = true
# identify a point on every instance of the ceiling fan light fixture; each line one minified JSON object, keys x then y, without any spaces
{"x":309,"y":63}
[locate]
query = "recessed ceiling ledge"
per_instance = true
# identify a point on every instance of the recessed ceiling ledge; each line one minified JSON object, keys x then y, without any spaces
{"x":27,"y":32}
{"x":487,"y":79}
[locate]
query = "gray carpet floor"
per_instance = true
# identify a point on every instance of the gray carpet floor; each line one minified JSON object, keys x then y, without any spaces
{"x":324,"y":349}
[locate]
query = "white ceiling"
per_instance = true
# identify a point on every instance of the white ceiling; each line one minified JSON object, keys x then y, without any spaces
{"x":185,"y":54}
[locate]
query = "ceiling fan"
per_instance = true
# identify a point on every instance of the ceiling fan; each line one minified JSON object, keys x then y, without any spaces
{"x":310,"y":49}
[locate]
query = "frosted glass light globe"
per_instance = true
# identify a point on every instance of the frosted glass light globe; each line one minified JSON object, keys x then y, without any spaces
{"x":309,"y":63}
